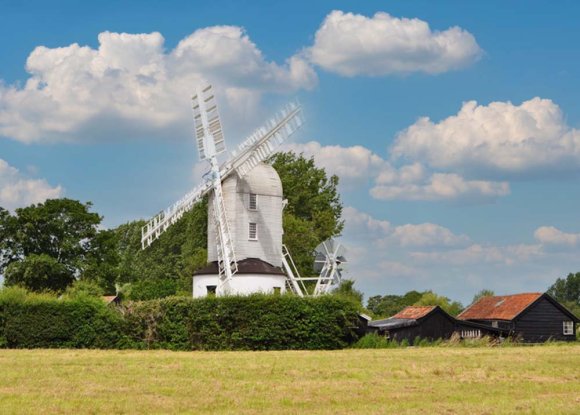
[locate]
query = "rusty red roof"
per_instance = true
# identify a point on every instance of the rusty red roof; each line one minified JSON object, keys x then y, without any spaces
{"x":498,"y":307}
{"x":414,"y":312}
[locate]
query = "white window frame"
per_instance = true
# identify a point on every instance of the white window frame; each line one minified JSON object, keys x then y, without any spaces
{"x":495,"y":324}
{"x":255,"y":231}
{"x":253,"y":196}
{"x":568,"y":328}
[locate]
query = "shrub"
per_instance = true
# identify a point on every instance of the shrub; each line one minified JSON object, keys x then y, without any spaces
{"x":256,"y":322}
{"x":42,"y":320}
{"x":375,"y":341}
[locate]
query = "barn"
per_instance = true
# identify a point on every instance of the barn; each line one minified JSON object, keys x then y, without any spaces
{"x":429,"y":322}
{"x":533,"y":317}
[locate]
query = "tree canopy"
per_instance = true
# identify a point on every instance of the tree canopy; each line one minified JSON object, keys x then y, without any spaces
{"x":314,"y":210}
{"x":47,"y":245}
{"x":567,"y":291}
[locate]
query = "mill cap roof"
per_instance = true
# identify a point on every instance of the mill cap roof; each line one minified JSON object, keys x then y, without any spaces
{"x":261,"y":180}
{"x":499,"y":307}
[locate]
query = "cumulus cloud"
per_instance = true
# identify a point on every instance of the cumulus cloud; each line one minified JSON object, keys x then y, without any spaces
{"x":478,"y":254}
{"x":500,"y":139}
{"x":382,"y":232}
{"x":16,"y":190}
{"x":439,"y":186}
{"x":352,"y":44}
{"x":76,"y":92}
{"x":348,"y":163}
{"x":426,"y":235}
{"x":549,"y":235}
{"x":357,"y":164}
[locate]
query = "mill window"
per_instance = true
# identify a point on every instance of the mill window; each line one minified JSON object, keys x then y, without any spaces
{"x":253,"y":205}
{"x":568,"y":327}
{"x":253,"y":231}
{"x":211,"y":289}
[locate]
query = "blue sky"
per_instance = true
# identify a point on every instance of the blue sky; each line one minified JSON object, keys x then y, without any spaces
{"x":454,"y":126}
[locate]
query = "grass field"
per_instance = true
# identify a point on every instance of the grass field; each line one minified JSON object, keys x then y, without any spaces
{"x":456,"y":380}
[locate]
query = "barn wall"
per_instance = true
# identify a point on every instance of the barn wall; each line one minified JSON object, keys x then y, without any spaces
{"x":434,"y":326}
{"x":543,"y":321}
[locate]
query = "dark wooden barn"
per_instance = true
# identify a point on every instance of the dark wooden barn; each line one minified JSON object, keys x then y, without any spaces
{"x":428,"y":322}
{"x":532,"y":317}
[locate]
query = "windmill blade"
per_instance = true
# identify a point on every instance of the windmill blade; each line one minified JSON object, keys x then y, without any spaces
{"x":264,"y":141}
{"x":209,"y":135}
{"x":159,"y":224}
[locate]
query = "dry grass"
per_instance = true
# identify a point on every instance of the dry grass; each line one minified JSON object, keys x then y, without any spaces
{"x":416,"y":380}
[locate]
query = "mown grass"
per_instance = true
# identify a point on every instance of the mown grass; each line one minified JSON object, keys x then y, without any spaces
{"x":481,"y":380}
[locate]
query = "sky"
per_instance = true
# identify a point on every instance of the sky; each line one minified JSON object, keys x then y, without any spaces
{"x":454,"y":127}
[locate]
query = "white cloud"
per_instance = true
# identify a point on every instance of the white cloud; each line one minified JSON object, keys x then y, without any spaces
{"x":426,"y":235}
{"x":357,"y":164}
{"x":549,"y":235}
{"x":17,"y":190}
{"x":478,"y":254}
{"x":362,"y":225}
{"x":351,"y":164}
{"x":499,"y":139}
{"x":439,"y":186}
{"x":131,"y":85}
{"x":352,"y":44}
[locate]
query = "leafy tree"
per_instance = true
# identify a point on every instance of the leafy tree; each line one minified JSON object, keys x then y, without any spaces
{"x":346,"y":289}
{"x":430,"y":298}
{"x":567,"y":291}
{"x":314,"y":210}
{"x":56,"y":236}
{"x":80,"y":288}
{"x":166,"y":267}
{"x":389,"y":305}
{"x":38,"y":273}
{"x":481,"y":294}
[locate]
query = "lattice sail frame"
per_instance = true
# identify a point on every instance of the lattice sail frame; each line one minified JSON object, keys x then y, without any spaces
{"x":256,"y":148}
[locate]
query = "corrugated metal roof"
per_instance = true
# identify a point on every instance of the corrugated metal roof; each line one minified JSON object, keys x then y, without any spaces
{"x":392,"y":323}
{"x":499,"y":307}
{"x":414,"y":312}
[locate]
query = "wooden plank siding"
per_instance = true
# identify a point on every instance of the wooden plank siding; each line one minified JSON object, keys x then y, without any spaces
{"x":542,"y":321}
{"x":436,"y":325}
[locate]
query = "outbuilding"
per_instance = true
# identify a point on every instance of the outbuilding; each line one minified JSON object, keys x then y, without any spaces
{"x":428,"y":322}
{"x":531,"y":317}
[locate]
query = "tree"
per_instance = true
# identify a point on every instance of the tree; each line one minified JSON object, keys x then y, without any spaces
{"x":389,"y":305}
{"x":430,"y":298}
{"x":567,"y":291}
{"x":314,"y":210}
{"x":346,"y":289}
{"x":166,"y":267}
{"x":39,"y":273}
{"x":481,"y":294}
{"x":51,"y":237}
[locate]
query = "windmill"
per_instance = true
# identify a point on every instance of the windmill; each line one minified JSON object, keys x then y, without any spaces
{"x":233,"y":189}
{"x":328,"y":263}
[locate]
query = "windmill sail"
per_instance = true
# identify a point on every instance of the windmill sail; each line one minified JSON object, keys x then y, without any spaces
{"x":255,"y":149}
{"x":209,"y":136}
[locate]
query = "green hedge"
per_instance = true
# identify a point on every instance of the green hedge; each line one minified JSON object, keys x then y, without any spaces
{"x":257,"y":322}
{"x":32,"y":320}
